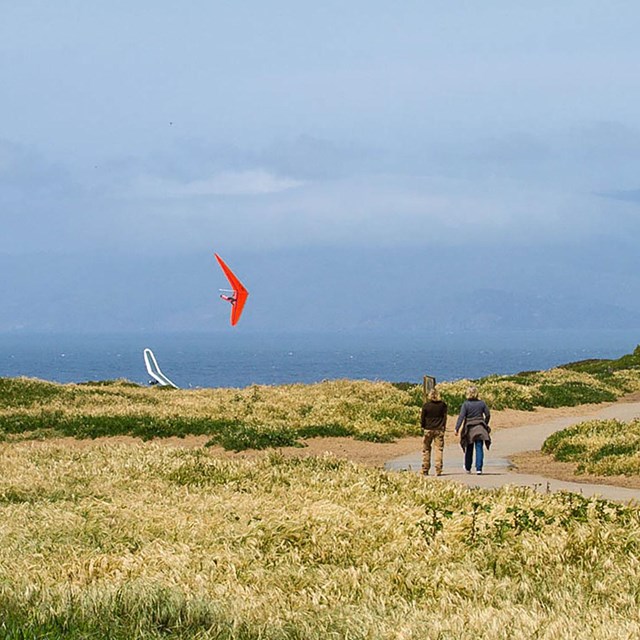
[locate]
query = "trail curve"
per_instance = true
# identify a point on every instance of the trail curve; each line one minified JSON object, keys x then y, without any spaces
{"x":498,"y":469}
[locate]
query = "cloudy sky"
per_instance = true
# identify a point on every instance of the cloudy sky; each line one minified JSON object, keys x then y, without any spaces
{"x":477,"y":162}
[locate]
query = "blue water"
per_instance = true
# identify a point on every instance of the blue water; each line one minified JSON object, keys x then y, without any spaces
{"x":237,"y":359}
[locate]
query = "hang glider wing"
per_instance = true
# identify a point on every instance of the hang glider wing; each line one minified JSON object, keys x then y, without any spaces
{"x":239,"y":295}
{"x":153,"y":370}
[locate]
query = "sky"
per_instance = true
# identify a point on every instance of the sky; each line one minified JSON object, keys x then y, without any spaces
{"x":416,"y":165}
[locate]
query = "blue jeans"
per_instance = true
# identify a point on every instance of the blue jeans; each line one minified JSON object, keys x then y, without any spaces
{"x":468,"y":455}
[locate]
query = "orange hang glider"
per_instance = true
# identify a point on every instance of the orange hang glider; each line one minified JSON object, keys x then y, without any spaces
{"x":238,"y":292}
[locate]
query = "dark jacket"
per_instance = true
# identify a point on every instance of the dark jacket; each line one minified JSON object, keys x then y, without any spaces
{"x":434,"y":415}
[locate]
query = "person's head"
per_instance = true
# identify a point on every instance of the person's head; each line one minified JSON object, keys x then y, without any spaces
{"x":472,"y":392}
{"x":434,"y":395}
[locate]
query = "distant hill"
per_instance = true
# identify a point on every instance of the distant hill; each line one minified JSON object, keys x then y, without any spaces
{"x":321,"y":289}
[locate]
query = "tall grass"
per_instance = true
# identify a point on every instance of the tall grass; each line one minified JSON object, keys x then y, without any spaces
{"x":140,"y":541}
{"x":601,"y":447}
{"x":254,"y":417}
{"x":553,"y":388}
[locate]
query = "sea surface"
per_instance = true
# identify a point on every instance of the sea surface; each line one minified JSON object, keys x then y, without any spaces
{"x":239,"y":359}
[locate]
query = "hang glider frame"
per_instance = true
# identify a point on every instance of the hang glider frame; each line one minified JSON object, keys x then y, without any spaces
{"x":153,"y":370}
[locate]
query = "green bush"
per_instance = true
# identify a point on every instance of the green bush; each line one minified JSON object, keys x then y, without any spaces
{"x":616,"y":449}
{"x":331,"y":430}
{"x":603,"y":366}
{"x":571,"y":394}
{"x":413,"y":390}
{"x":454,"y":401}
{"x":569,"y":452}
{"x":26,"y":392}
{"x":96,"y":426}
{"x":239,"y":437}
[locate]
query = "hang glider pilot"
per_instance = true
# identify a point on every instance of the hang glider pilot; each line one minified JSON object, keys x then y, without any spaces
{"x":232,"y":299}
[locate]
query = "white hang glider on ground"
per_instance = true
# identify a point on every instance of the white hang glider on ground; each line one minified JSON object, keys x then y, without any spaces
{"x":153,"y":370}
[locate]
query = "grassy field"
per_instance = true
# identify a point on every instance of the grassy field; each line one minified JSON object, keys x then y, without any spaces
{"x":600,"y":447}
{"x":114,"y":540}
{"x":144,"y":541}
{"x":259,"y":417}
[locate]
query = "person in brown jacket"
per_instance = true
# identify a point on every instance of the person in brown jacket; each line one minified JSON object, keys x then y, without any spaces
{"x":433,"y":421}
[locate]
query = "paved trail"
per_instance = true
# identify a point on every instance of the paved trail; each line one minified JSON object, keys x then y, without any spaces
{"x":507,"y":442}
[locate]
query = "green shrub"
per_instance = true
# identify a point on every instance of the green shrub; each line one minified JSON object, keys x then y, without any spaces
{"x":454,"y":401}
{"x":415,"y":392}
{"x":616,"y":449}
{"x":331,"y":430}
{"x":239,"y":437}
{"x":96,"y":426}
{"x":603,"y":366}
{"x":119,"y":382}
{"x":571,"y":394}
{"x":569,"y":452}
{"x":26,"y":392}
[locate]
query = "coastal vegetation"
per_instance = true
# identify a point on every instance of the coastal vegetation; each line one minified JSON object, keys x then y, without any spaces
{"x":599,"y":447}
{"x":259,"y":416}
{"x":137,"y":540}
{"x":145,"y":541}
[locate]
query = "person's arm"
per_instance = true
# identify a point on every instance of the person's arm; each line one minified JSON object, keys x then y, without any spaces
{"x":487,"y":414}
{"x":462,"y":416}
{"x":423,"y":415}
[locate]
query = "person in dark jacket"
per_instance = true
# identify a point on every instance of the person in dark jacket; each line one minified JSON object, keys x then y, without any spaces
{"x":473,"y":426}
{"x":433,"y":421}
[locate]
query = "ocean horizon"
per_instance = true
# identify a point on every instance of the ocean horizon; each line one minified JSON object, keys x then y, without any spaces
{"x":240,"y":359}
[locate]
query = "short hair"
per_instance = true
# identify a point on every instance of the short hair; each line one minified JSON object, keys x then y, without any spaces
{"x":472,"y":392}
{"x":434,"y":394}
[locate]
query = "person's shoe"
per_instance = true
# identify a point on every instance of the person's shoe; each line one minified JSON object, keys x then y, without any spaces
{"x":425,"y":473}
{"x":479,"y":472}
{"x":438,"y":473}
{"x":466,"y":470}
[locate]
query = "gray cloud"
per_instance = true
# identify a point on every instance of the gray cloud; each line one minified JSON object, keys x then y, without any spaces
{"x":520,"y":189}
{"x":144,"y":135}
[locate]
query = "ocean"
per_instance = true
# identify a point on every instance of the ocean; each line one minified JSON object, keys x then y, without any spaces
{"x":239,"y":359}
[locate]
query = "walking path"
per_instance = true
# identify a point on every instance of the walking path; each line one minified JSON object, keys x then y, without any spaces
{"x":498,"y":469}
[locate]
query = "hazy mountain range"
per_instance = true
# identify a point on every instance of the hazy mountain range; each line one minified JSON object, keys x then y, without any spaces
{"x":325,"y":289}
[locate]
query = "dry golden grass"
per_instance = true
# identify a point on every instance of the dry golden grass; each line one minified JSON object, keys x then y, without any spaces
{"x":600,"y":447}
{"x":138,"y":540}
{"x":357,"y":407}
{"x":552,"y":388}
{"x":276,"y":416}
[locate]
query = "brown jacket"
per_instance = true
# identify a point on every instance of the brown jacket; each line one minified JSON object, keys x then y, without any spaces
{"x":475,"y":429}
{"x":434,"y":415}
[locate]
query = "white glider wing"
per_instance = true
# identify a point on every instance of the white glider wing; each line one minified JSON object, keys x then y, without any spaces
{"x":153,"y":370}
